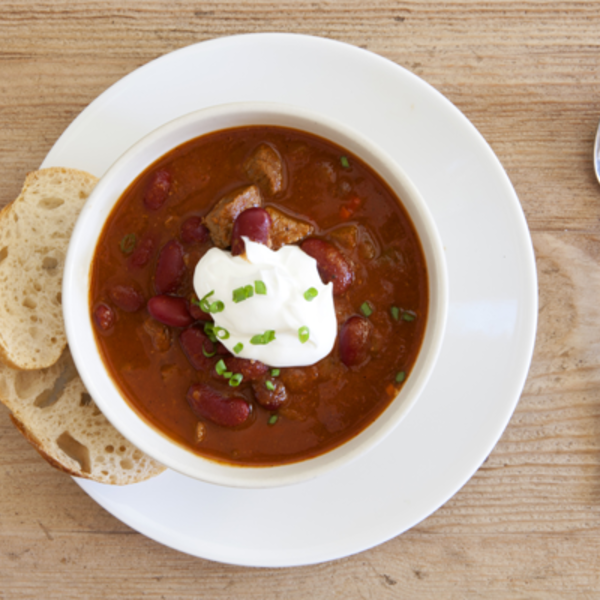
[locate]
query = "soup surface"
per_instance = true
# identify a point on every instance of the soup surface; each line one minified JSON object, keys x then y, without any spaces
{"x":152,"y":330}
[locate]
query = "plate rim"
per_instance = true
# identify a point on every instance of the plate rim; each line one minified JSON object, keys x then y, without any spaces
{"x":518,"y":382}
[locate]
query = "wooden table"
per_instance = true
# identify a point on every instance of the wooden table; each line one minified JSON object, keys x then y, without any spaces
{"x":527,"y":75}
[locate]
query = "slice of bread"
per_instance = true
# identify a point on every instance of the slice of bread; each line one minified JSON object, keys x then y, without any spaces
{"x":34,"y":234}
{"x":53,"y":410}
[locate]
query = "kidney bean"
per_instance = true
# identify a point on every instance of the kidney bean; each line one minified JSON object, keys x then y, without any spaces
{"x":194,"y":231}
{"x":332,"y":264}
{"x":197,"y":313}
{"x":355,"y":340}
{"x":227,"y":411}
{"x":255,"y":224}
{"x":170,"y":268}
{"x":157,"y":189}
{"x":143,"y":253}
{"x":222,"y":350}
{"x":126,"y":297}
{"x":104,"y":316}
{"x":170,"y":310}
{"x":193,"y":340}
{"x":251,"y":370}
{"x":267,"y":398}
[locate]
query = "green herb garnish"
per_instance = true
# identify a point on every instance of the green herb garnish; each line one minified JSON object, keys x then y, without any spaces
{"x":216,"y":307}
{"x":365,"y":309}
{"x":209,"y":330}
{"x":220,"y":332}
{"x":260,"y":288}
{"x":345,"y":162}
{"x":303,"y":334}
{"x":269,"y":385}
{"x":128,"y":243}
{"x":400,"y":376}
{"x":220,"y":367}
{"x":208,"y":354}
{"x":395,"y":311}
{"x":263,"y":338}
{"x":238,"y":347}
{"x":274,"y":372}
{"x":204,"y":304}
{"x":311,"y":293}
{"x":408,"y":315}
{"x":273,"y":419}
{"x":243,"y":293}
{"x":236,"y":379}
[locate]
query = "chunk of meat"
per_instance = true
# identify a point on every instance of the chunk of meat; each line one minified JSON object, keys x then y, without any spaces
{"x":219,"y":220}
{"x":265,"y":167}
{"x":286,"y":229}
{"x":346,"y":236}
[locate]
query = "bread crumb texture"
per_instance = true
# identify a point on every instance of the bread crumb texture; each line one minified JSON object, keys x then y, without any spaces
{"x":34,"y":235}
{"x":54,"y":411}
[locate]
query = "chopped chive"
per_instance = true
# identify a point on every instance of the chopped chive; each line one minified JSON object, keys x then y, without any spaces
{"x":238,"y":347}
{"x":345,"y":162}
{"x":243,"y":293}
{"x":204,"y":303}
{"x":208,"y":354}
{"x":128,"y":243}
{"x":209,"y":330}
{"x":303,"y":334}
{"x":274,"y":372}
{"x":238,"y":295}
{"x":400,"y":376}
{"x":365,"y":309}
{"x":395,"y":312}
{"x":273,"y":419}
{"x":311,"y":293}
{"x":221,"y":333}
{"x":260,"y":287}
{"x":408,"y":315}
{"x":236,"y":379}
{"x":220,"y":367}
{"x":227,"y":374}
{"x":263,"y":338}
{"x":216,"y":307}
{"x":269,"y":385}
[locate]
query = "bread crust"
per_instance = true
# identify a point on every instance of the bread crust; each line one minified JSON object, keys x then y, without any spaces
{"x":50,"y":404}
{"x":38,"y":380}
{"x":33,"y":440}
{"x":35,"y":230}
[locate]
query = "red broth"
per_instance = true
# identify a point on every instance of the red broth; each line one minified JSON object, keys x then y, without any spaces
{"x":381,"y":313}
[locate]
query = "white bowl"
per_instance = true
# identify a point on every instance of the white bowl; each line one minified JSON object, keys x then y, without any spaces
{"x":76,"y":293}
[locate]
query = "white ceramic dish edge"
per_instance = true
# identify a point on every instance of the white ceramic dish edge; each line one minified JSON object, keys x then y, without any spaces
{"x":80,"y":328}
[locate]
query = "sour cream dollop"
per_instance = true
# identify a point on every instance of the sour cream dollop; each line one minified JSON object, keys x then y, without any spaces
{"x":287,"y":274}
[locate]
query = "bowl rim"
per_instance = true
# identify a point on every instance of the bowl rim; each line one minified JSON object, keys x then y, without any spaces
{"x":80,"y":329}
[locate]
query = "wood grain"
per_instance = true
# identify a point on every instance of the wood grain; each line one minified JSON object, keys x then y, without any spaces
{"x":527,"y":525}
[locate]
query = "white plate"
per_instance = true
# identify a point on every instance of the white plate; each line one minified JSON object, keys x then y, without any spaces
{"x":491,"y":321}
